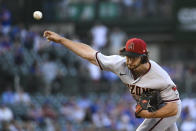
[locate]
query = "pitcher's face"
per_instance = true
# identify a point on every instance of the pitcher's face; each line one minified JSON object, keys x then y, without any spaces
{"x":132,"y":62}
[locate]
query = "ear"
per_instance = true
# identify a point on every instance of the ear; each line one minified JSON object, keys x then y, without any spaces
{"x":144,"y":59}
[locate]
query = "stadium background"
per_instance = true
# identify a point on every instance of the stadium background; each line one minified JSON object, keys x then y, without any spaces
{"x":46,"y":87}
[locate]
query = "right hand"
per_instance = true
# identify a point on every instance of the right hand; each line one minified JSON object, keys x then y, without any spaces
{"x":52,"y":36}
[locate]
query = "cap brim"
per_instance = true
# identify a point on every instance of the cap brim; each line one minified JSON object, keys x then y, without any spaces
{"x":129,"y":54}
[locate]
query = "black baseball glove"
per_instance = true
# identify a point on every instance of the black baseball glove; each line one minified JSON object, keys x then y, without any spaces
{"x":150,"y":101}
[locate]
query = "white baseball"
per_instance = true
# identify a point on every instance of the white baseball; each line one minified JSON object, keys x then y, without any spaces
{"x":37,"y":15}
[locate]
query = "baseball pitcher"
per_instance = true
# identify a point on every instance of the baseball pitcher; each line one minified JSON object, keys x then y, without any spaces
{"x":156,"y":94}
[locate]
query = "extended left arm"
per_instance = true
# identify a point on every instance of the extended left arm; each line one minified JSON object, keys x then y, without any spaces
{"x":170,"y":109}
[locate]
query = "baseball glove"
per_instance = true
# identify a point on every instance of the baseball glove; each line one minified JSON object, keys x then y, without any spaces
{"x":150,"y":101}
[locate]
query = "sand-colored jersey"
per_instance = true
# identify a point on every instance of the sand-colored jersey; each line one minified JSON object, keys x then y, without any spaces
{"x":154,"y":79}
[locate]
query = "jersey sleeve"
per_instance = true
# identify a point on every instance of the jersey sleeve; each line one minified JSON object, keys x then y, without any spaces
{"x":168,"y":90}
{"x":170,"y":94}
{"x":109,"y":63}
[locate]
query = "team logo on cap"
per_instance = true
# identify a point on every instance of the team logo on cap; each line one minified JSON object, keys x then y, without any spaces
{"x":131,"y":46}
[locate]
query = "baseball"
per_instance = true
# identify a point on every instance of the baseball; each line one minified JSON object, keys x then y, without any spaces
{"x":37,"y":15}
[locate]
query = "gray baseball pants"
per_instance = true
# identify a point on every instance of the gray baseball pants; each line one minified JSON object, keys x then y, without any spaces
{"x":161,"y":124}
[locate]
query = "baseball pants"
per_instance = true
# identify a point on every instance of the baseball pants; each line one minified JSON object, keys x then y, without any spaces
{"x":161,"y":124}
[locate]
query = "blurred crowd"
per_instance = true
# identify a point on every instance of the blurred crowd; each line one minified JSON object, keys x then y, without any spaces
{"x":67,"y":113}
{"x":114,"y":8}
{"x":20,"y":111}
{"x":42,"y":65}
{"x":25,"y":52}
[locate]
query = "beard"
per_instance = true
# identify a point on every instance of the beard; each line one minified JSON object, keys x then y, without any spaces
{"x":133,"y":67}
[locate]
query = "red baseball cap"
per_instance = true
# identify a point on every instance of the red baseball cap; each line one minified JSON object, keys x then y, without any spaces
{"x":134,"y":47}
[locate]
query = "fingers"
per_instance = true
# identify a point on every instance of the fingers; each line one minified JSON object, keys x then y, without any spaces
{"x":50,"y":36}
{"x":46,"y":33}
{"x":138,"y":109}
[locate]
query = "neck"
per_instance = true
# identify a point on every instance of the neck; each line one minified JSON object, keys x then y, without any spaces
{"x":141,"y":70}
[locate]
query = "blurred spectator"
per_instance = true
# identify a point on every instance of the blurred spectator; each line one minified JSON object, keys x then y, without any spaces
{"x":190,"y":78}
{"x":78,"y":114}
{"x":22,"y":97}
{"x":23,"y":33}
{"x":5,"y":19}
{"x":128,"y":7}
{"x":138,"y":8}
{"x":15,"y":34}
{"x":5,"y":44}
{"x":185,"y":113}
{"x":14,"y":126}
{"x":29,"y":41}
{"x":35,"y":69}
{"x":128,"y":2}
{"x":151,"y":8}
{"x":39,"y":43}
{"x":164,"y":7}
{"x":49,"y":70}
{"x":8,"y":96}
{"x":84,"y":102}
{"x":66,"y":110}
{"x":5,"y":126}
{"x":116,"y":38}
{"x":18,"y":54}
{"x":88,"y":116}
{"x":124,"y":124}
{"x":35,"y":113}
{"x":69,"y":127}
{"x":51,"y":125}
{"x":99,"y":36}
{"x":101,"y":119}
{"x":188,"y":125}
{"x":48,"y":111}
{"x":72,"y":112}
{"x":109,"y":76}
{"x":5,"y":113}
{"x":189,"y":103}
{"x":95,"y":73}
